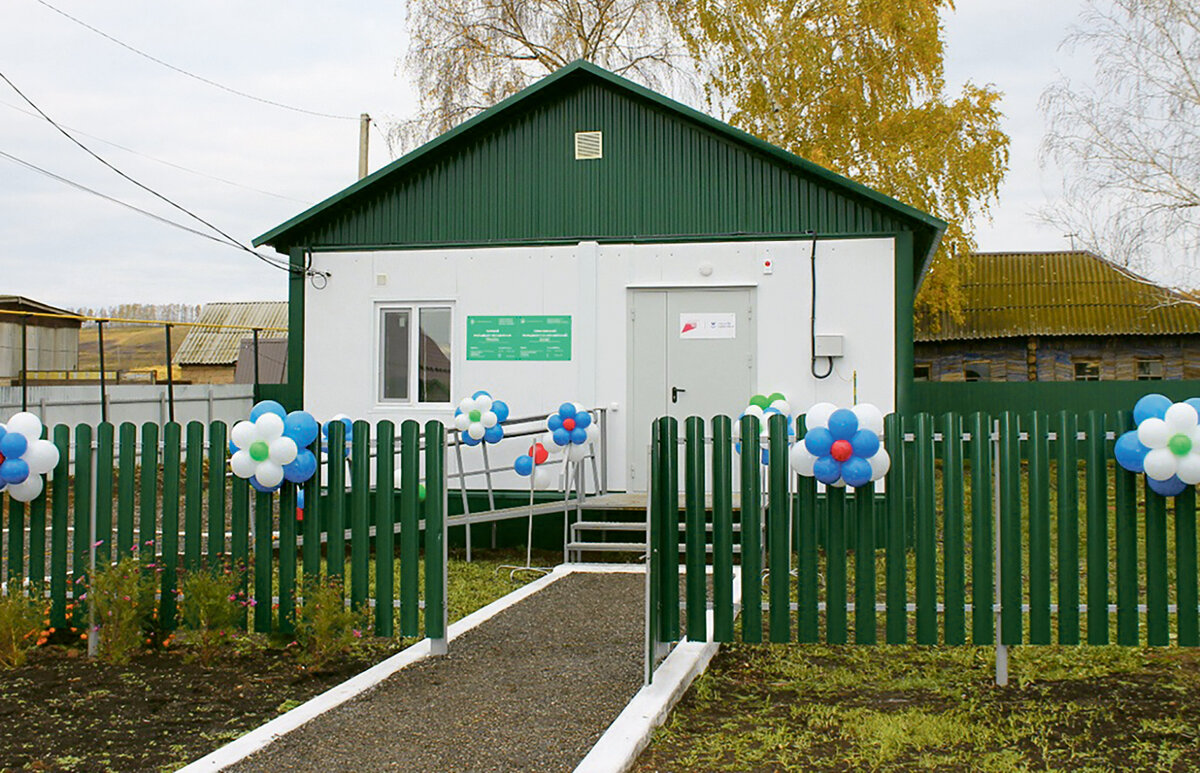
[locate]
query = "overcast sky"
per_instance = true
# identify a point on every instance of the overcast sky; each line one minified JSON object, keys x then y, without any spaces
{"x":69,"y":248}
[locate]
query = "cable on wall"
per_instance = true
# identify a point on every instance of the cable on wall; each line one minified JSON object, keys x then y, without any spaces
{"x":812,"y":320}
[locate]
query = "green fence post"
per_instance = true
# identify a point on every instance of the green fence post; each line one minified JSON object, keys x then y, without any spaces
{"x":360,"y":514}
{"x":1039,"y":530}
{"x":410,"y":524}
{"x":722,"y":483}
{"x":313,"y":510}
{"x":835,"y":566}
{"x":193,"y":497}
{"x":1097,"y":531}
{"x":385,"y":533}
{"x":335,"y":527}
{"x":808,"y":620}
{"x":655,"y":523}
{"x":954,"y":571}
{"x":435,"y":534}
{"x":1010,"y":531}
{"x":896,"y":591}
{"x":37,"y":544}
{"x":751,"y":535}
{"x":864,"y":565}
{"x":1185,"y":568}
{"x":1068,"y":528}
{"x":169,"y":555}
{"x":287,"y":558}
{"x":983,"y":543}
{"x":58,"y":527}
{"x":263,"y":522}
{"x":695,"y":536}
{"x":778,"y":516}
{"x":81,"y":545}
{"x":148,"y":493}
{"x":217,"y":487}
{"x":239,"y":536}
{"x":104,"y":492}
{"x":670,"y":532}
{"x":926,"y":537}
{"x":1157,"y":624}
{"x":16,"y":541}
{"x":126,"y":476}
{"x":1125,"y":495}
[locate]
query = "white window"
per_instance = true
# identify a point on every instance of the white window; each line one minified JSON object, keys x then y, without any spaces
{"x":414,"y":353}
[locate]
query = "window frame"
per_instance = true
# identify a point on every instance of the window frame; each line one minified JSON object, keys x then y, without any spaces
{"x":928,"y":366}
{"x":1159,"y":361}
{"x":414,"y":309}
{"x":984,"y":367}
{"x":1095,"y":362}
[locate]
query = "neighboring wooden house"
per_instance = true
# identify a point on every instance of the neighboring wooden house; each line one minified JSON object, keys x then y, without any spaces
{"x":51,"y":345}
{"x":224,"y":352}
{"x":1061,"y":316}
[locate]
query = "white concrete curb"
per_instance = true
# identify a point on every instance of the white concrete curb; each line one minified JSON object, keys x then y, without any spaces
{"x":260,"y":737}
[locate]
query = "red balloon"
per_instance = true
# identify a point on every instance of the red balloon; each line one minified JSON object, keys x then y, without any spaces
{"x":842,"y":450}
{"x":568,"y":424}
{"x":539,"y":453}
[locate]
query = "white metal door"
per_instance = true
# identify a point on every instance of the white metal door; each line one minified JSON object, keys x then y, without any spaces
{"x":691,"y":354}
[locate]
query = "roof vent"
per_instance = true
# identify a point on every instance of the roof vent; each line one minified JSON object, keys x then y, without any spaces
{"x":588,"y":145}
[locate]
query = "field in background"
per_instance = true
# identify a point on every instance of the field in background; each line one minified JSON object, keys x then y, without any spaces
{"x":135,"y":348}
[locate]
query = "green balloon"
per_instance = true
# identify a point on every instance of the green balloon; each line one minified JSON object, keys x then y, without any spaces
{"x":259,"y":451}
{"x":761,"y":401}
{"x":776,"y":396}
{"x":1180,"y":445}
{"x":474,"y":415}
{"x":421,"y":492}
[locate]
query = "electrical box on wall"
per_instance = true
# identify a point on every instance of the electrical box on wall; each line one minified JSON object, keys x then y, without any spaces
{"x":827,"y":346}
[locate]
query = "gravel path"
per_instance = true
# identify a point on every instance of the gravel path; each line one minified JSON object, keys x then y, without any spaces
{"x":531,"y":689}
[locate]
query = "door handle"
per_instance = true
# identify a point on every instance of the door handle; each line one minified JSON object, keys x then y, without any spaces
{"x":675,"y":391}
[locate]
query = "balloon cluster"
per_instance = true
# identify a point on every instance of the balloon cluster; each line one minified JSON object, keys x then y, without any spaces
{"x":570,"y":428}
{"x":530,"y":463}
{"x":1165,"y":445}
{"x":478,"y":419}
{"x":842,"y":445}
{"x":763,"y":407}
{"x":348,"y":436}
{"x":24,"y":457}
{"x":272,"y":446}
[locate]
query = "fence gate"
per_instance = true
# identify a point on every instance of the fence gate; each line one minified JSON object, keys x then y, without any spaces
{"x":995,"y":531}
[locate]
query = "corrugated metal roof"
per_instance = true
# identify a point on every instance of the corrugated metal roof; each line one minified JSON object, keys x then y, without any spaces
{"x":668,"y":172}
{"x":1062,"y":293}
{"x":219,"y":345}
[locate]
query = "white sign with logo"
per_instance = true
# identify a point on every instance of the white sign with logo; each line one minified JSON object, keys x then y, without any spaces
{"x":701,"y":325}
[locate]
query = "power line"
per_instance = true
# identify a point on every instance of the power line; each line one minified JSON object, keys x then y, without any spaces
{"x":200,"y":78}
{"x":148,"y":189}
{"x":163,"y":161}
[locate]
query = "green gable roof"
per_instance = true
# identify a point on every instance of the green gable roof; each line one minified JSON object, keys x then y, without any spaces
{"x":509,"y":176}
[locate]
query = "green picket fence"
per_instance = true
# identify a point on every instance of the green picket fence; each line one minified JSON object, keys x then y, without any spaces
{"x":165,"y":492}
{"x":1086,"y":553}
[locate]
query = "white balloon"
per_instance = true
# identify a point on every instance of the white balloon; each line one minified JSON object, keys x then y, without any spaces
{"x":543,"y":478}
{"x":243,"y":464}
{"x":476,"y":431}
{"x":461,"y":422}
{"x":269,"y":426}
{"x":869,"y":417}
{"x":783,"y":406}
{"x":1154,"y":433}
{"x":269,"y":474}
{"x":593,"y":432}
{"x":1160,"y":463}
{"x":283,"y":450}
{"x":42,"y":457}
{"x":27,"y":424}
{"x":27,"y":490}
{"x":880,"y":463}
{"x":1181,"y":417}
{"x":488,"y":419}
{"x":483,"y":403}
{"x":801,"y":460}
{"x":466,"y":405}
{"x":754,"y":410}
{"x":243,"y":434}
{"x":1194,"y":434}
{"x":1189,"y":468}
{"x":576,"y":453}
{"x":818,"y":415}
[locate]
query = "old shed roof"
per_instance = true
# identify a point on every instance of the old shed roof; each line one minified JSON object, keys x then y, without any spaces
{"x":218,"y":345}
{"x":1063,"y":293}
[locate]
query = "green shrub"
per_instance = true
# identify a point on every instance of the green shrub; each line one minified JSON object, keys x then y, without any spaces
{"x":20,"y":624}
{"x":123,"y":594}
{"x":213,"y":608}
{"x":325,"y":627}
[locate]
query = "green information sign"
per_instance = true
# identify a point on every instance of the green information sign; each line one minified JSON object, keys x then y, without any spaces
{"x":519,"y":338}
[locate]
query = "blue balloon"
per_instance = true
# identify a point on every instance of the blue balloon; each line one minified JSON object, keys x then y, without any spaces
{"x":1171,"y":487}
{"x":493,"y":434}
{"x":738,"y":447}
{"x":561,"y":437}
{"x":13,"y":445}
{"x":583,"y":419}
{"x":523,"y":465}
{"x":578,"y":436}
{"x":818,"y":441}
{"x":567,"y":410}
{"x":865,"y":443}
{"x":554,"y":422}
{"x":1151,"y":406}
{"x":468,"y":440}
{"x":1130,"y":452}
{"x":232,"y":448}
{"x":766,"y":456}
{"x":300,"y":499}
{"x":267,"y":406}
{"x":301,"y":427}
{"x":261,"y":488}
{"x":843,"y":424}
{"x":500,"y":408}
{"x":479,"y":394}
{"x":301,"y":468}
{"x":856,"y":471}
{"x":14,"y":470}
{"x":827,"y":470}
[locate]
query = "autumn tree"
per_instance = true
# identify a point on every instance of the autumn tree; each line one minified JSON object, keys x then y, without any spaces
{"x":857,"y":86}
{"x":1129,"y":143}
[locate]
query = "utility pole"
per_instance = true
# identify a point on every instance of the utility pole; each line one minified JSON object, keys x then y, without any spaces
{"x":364,"y":125}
